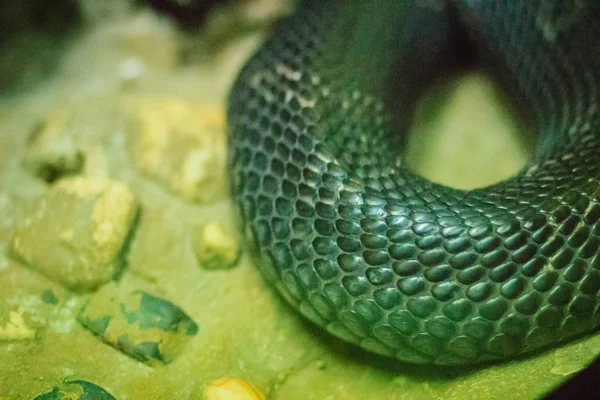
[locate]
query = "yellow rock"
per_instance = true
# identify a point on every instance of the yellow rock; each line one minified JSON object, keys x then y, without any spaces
{"x":111,"y":219}
{"x":75,"y":232}
{"x":16,"y":328}
{"x":216,"y":246}
{"x":233,"y":389}
{"x":182,"y":147}
{"x":53,"y":151}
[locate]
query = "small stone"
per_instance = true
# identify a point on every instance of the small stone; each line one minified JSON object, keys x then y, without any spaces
{"x":182,"y":147}
{"x":145,"y":327}
{"x":15,"y":328}
{"x":216,"y":246}
{"x":233,"y":389}
{"x":69,"y":141}
{"x":76,"y":390}
{"x":52,"y":151}
{"x":76,"y":232}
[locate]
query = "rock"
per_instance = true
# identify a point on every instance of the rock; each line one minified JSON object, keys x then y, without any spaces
{"x":182,"y":147}
{"x":77,"y":232}
{"x":76,"y":390}
{"x":52,"y":152}
{"x":233,"y":389}
{"x":68,"y":141}
{"x":216,"y":246}
{"x":15,"y":328}
{"x":145,"y":327}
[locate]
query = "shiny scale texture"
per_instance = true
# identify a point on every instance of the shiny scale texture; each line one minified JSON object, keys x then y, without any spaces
{"x":376,"y":254}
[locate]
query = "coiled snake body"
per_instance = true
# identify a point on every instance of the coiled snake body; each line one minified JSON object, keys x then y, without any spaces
{"x":382,"y":257}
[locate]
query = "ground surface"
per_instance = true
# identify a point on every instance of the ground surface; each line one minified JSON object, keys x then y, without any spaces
{"x":113,"y":170}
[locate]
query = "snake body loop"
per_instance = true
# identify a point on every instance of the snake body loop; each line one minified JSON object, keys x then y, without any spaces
{"x":382,"y":257}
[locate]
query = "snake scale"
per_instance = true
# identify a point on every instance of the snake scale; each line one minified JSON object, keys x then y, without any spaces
{"x":376,"y":254}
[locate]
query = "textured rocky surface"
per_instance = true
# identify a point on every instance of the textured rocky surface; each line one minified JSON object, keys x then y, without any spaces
{"x":143,"y":326}
{"x":76,"y":232}
{"x":181,"y":146}
{"x":87,"y":123}
{"x":232,"y":389}
{"x":216,"y":246}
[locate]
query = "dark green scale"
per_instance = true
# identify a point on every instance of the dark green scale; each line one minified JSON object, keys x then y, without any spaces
{"x":380,"y":256}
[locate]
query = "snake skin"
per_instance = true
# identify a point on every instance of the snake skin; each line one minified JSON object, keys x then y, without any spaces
{"x":382,"y":257}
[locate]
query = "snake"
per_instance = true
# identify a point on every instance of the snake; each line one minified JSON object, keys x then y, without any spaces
{"x":381,"y":257}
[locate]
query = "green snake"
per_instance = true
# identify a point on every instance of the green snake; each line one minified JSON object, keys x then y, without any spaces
{"x":382,"y":257}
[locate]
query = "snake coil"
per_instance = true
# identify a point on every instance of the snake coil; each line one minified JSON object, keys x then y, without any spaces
{"x":382,"y":257}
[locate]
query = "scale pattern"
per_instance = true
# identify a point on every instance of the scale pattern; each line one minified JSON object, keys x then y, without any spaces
{"x":382,"y":257}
